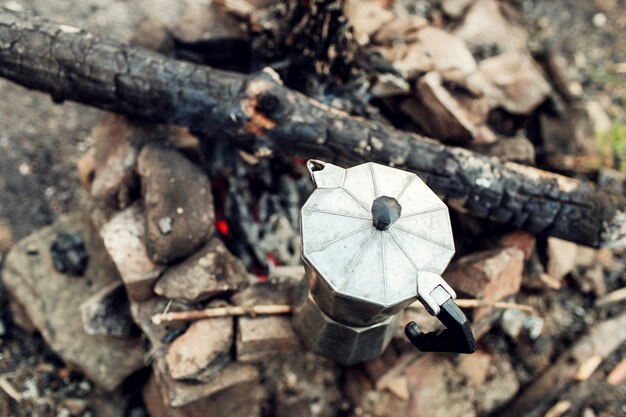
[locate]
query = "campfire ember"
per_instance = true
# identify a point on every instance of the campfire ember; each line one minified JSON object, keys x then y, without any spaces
{"x":183,"y":231}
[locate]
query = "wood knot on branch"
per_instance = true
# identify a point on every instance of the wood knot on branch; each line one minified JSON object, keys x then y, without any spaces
{"x":262,"y":107}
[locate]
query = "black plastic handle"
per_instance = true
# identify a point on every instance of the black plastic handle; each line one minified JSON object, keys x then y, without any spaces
{"x":457,"y":337}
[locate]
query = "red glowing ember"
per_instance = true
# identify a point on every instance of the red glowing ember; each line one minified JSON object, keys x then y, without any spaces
{"x":222,"y":227}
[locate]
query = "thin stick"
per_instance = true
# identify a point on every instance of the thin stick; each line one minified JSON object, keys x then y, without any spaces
{"x":221,"y":312}
{"x":618,"y":374}
{"x":614,"y":297}
{"x":9,"y":389}
{"x":472,"y":303}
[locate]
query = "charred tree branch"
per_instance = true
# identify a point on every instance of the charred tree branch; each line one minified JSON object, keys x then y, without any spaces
{"x":257,"y":113}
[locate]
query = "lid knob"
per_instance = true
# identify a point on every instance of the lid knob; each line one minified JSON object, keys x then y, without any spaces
{"x":385,"y":211}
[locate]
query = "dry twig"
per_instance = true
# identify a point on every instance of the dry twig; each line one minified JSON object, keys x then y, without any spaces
{"x":10,"y":389}
{"x":221,"y":312}
{"x":472,"y":303}
{"x":618,"y":374}
{"x":613,"y":297}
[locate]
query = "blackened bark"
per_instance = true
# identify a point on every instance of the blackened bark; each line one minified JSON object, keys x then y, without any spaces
{"x":259,"y":114}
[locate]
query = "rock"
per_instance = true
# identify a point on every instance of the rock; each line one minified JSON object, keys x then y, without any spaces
{"x":516,"y":149}
{"x":476,"y":366}
{"x":107,"y":312}
{"x":159,"y":336}
{"x":117,"y":141}
{"x":561,"y":257}
{"x":236,"y":393}
{"x":173,"y":397}
{"x":487,"y":31}
{"x":173,"y":187}
{"x":500,"y":386}
{"x":211,"y":271}
{"x":565,"y":77}
{"x":455,"y":8}
{"x":202,"y":351}
{"x":393,"y":379}
{"x":441,"y":113}
{"x":52,"y":300}
{"x":388,"y":85}
{"x":430,"y":380}
{"x":511,"y":80}
{"x":179,"y":393}
{"x":433,"y":50}
{"x":123,"y":237}
{"x":521,"y":239}
{"x":208,"y":24}
{"x":401,"y":30}
{"x":367,"y":16}
{"x":154,"y":35}
{"x":490,"y":275}
{"x":260,"y":337}
{"x":279,"y":291}
{"x":303,"y":385}
{"x":513,"y":322}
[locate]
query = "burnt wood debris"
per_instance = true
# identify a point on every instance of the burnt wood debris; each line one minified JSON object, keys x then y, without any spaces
{"x":257,"y":113}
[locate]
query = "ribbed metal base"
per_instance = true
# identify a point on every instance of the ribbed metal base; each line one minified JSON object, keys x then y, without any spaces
{"x":340,"y":342}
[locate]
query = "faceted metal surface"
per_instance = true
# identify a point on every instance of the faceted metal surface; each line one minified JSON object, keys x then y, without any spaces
{"x":385,"y":211}
{"x":343,"y":343}
{"x":357,"y":273}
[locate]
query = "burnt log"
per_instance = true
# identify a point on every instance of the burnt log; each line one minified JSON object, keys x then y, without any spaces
{"x":257,"y":113}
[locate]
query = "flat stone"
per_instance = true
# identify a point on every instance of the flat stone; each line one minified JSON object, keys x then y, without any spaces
{"x":259,"y":337}
{"x":487,"y":31}
{"x":180,"y":393}
{"x":490,"y":275}
{"x":521,"y":239}
{"x":154,"y":35}
{"x":513,"y":81}
{"x":476,"y":366}
{"x":208,"y":23}
{"x":234,"y":393}
{"x":107,"y":312}
{"x":52,"y":300}
{"x":401,"y":30}
{"x":211,"y":271}
{"x":367,"y":16}
{"x":433,"y":49}
{"x":455,"y":8}
{"x":117,"y":141}
{"x":500,"y":386}
{"x":561,"y":257}
{"x":282,"y":291}
{"x":123,"y":237}
{"x":444,"y":115}
{"x":174,"y":187}
{"x":202,"y":351}
{"x":510,"y":149}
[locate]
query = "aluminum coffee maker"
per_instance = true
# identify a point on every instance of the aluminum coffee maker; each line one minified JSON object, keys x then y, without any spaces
{"x":374,"y":240}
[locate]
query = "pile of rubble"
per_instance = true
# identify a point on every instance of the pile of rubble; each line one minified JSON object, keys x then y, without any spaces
{"x":159,"y":252}
{"x":152,"y":247}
